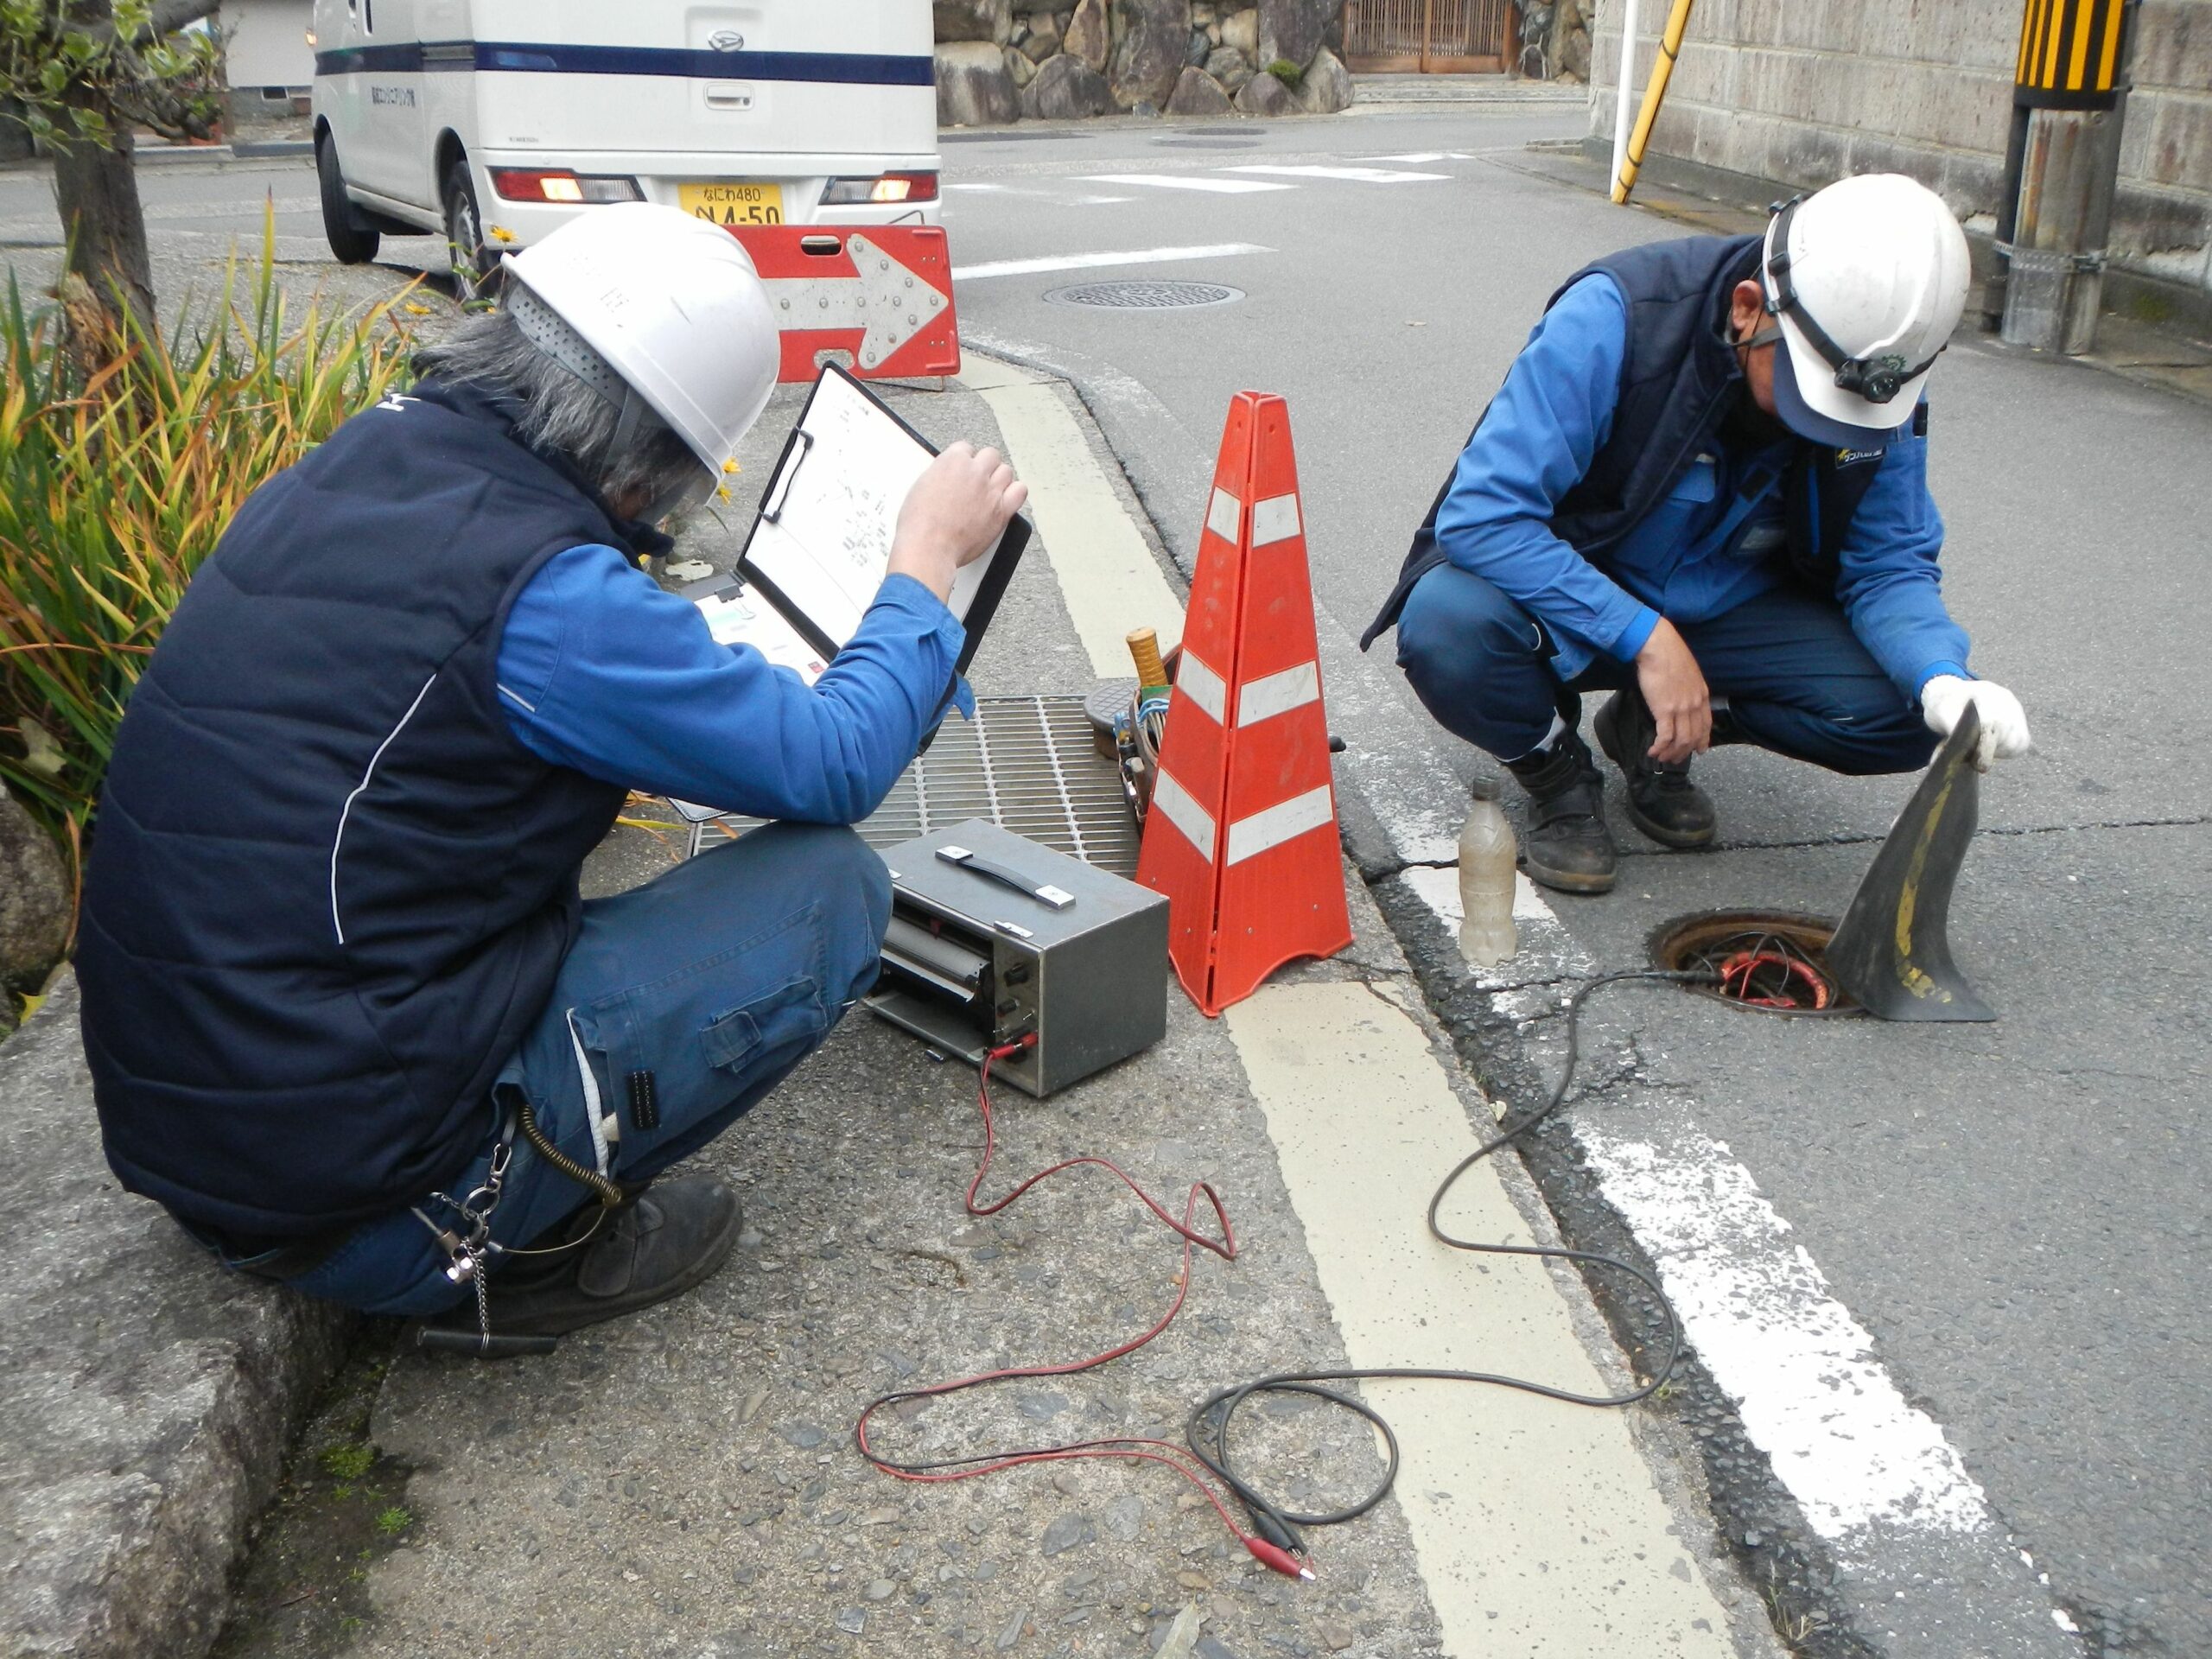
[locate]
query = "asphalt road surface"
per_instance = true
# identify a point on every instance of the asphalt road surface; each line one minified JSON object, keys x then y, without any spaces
{"x":1949,"y":1280}
{"x":2014,"y":1213}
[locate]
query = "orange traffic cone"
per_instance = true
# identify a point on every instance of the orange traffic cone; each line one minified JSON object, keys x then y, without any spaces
{"x":1242,"y":836}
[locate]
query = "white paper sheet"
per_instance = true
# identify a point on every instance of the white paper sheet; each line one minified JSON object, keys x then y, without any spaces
{"x":836,"y":502}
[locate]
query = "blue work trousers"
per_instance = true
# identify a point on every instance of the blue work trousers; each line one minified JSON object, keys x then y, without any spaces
{"x":1797,"y":679}
{"x":716,"y":979}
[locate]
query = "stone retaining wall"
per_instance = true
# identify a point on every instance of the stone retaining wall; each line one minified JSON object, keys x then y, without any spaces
{"x":1001,"y":61}
{"x":1805,"y":92}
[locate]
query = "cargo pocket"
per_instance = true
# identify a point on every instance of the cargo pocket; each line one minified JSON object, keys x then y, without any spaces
{"x":793,"y":1014}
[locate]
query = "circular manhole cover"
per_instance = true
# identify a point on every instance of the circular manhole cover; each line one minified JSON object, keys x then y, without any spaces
{"x":1139,"y":295}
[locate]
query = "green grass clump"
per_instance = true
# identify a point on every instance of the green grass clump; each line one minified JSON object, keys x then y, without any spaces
{"x":348,"y":1462}
{"x":123,"y":457}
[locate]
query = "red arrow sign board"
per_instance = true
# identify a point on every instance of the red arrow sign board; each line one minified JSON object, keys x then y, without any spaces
{"x":876,"y":298}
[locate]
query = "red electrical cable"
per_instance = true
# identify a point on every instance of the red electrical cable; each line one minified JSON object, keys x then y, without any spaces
{"x":1121,"y":1447}
{"x":1744,"y":964}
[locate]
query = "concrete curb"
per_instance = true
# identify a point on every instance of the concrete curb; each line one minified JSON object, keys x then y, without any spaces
{"x":209,"y":154}
{"x":152,"y":1395}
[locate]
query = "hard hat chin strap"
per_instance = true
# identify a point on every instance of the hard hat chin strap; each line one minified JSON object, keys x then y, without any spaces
{"x":1876,"y":378}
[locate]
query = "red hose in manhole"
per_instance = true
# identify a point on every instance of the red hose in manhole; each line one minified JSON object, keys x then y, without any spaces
{"x":1769,"y":961}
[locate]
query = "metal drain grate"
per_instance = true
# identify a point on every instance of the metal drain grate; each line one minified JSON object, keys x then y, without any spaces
{"x":1026,"y":764}
{"x":1140,"y":295}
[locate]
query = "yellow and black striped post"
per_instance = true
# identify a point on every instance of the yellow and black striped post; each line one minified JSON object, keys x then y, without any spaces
{"x":2070,"y":91}
{"x":2070,"y":54}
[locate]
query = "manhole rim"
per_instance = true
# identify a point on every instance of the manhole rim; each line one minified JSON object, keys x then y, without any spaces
{"x":1666,"y":940}
{"x":1216,"y":294}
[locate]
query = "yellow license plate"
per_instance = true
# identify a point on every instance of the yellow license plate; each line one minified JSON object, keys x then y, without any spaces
{"x":732,"y":204}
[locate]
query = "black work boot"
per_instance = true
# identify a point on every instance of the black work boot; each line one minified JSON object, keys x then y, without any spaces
{"x":660,"y":1245}
{"x":1661,"y":800}
{"x":1568,"y":847}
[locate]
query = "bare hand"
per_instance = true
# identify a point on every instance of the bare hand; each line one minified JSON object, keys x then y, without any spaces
{"x":955,"y":514}
{"x":1673,"y":686}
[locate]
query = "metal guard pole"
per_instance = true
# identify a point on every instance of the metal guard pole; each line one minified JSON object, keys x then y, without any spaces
{"x":1655,"y":94}
{"x":1627,"y":68}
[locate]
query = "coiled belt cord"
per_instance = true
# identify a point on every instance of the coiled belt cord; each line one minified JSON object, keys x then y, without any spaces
{"x":468,"y":1257}
{"x":609,"y":1194}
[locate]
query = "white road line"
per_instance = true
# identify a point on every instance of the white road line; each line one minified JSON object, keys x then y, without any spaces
{"x":1421,"y":155}
{"x":1186,"y":181}
{"x":1538,"y":1528}
{"x":1106,"y":571}
{"x":1095,"y":260}
{"x":1354,"y":174}
{"x":1801,"y":1370}
{"x":1060,"y":197}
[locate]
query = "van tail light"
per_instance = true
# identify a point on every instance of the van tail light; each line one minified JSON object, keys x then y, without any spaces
{"x":890,"y":187}
{"x":561,"y":185}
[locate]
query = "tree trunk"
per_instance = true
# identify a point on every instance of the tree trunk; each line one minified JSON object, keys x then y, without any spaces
{"x":102,"y":222}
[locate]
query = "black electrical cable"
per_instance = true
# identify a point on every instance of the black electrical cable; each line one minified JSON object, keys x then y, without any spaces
{"x":1207,"y":1429}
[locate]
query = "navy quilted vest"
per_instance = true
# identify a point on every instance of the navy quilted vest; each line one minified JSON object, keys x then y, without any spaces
{"x":1677,"y":381}
{"x":329,"y":888}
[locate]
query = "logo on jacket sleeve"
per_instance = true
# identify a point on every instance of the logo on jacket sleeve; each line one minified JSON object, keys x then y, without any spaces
{"x":1856,"y":457}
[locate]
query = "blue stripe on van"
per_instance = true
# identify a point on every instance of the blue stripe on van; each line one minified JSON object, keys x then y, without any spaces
{"x":849,"y":68}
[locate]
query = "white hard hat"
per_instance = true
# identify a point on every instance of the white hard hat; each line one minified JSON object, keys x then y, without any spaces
{"x":1867,"y":279}
{"x":668,"y":303}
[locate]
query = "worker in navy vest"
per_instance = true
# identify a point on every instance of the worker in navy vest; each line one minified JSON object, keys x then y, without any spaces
{"x":1703,"y":487}
{"x":347,"y":1014}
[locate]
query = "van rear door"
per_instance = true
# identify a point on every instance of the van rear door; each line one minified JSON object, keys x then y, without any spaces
{"x":696,"y":92}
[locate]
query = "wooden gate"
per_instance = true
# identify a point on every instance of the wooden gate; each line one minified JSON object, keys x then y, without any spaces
{"x":1430,"y":37}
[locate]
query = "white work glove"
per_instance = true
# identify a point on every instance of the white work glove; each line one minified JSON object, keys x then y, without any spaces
{"x":1945,"y":700}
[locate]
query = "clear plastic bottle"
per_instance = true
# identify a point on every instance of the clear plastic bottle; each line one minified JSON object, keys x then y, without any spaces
{"x":1487,"y":857}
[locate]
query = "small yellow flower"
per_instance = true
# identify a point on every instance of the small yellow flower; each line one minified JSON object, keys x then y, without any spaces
{"x":723,"y":492}
{"x":414,"y":310}
{"x":732,"y":467}
{"x":501,"y":233}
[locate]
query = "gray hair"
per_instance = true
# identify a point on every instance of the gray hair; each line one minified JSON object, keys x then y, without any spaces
{"x":562,"y":414}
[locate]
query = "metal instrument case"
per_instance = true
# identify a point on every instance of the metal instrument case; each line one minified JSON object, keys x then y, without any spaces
{"x":973,"y":964}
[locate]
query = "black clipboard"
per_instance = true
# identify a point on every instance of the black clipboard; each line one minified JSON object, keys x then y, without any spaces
{"x":845,"y":433}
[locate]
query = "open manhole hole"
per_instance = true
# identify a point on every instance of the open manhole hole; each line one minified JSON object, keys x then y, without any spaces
{"x":1771,"y":961}
{"x":1140,"y":296}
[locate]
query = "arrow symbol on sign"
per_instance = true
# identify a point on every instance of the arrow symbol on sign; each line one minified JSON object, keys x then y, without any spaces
{"x":885,"y":299}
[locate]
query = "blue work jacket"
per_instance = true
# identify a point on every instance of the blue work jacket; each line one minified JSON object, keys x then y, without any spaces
{"x":1714,"y":540}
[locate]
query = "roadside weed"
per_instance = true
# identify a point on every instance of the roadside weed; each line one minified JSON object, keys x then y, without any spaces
{"x":123,"y":457}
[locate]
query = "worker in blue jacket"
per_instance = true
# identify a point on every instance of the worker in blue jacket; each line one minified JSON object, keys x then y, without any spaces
{"x":347,"y":1014}
{"x":1703,"y":487}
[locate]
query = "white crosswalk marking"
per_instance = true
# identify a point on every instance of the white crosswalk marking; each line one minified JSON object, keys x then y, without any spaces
{"x":1092,"y":261}
{"x":1186,"y":181}
{"x":1354,"y":174}
{"x":1060,"y":197}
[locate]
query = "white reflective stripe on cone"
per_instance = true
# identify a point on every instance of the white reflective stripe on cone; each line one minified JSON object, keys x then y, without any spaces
{"x":1172,"y":802}
{"x":1204,"y":687}
{"x":1277,"y":694}
{"x":1225,"y":516}
{"x":1274,"y":519}
{"x":1249,"y":837}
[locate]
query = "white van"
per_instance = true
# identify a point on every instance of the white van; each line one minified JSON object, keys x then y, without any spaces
{"x":489,"y":122}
